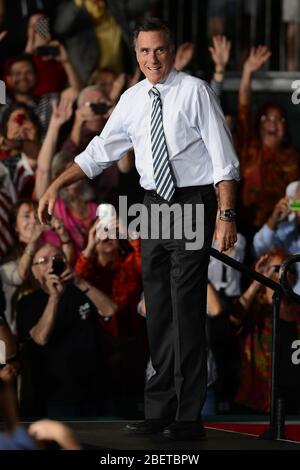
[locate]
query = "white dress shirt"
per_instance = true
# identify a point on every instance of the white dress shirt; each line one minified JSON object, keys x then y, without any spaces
{"x":198,"y":140}
{"x":226,"y":277}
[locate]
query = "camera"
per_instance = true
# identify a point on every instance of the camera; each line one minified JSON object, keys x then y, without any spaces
{"x":99,"y":108}
{"x":106,"y":212}
{"x":58,"y":266}
{"x":46,"y":51}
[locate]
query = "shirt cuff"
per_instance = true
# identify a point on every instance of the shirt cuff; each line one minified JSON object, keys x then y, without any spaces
{"x":230,"y":172}
{"x":267,"y":233}
{"x":88,"y":165}
{"x":263,"y":240}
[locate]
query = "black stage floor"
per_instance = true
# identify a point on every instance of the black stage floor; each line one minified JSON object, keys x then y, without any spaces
{"x":109,"y":435}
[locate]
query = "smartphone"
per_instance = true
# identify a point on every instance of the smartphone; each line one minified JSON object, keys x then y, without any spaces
{"x":46,"y":51}
{"x":99,"y":108}
{"x":294,"y":205}
{"x":42,"y":27}
{"x":106,"y":212}
{"x":58,"y":266}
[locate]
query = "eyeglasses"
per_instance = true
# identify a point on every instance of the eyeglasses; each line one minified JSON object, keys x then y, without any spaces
{"x":45,"y":259}
{"x":272,"y":118}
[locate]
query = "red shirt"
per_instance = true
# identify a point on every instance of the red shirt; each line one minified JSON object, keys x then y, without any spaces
{"x":123,"y":284}
{"x":51,"y":76}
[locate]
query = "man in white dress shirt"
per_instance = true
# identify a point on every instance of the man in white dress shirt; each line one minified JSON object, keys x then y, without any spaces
{"x":182,"y":150}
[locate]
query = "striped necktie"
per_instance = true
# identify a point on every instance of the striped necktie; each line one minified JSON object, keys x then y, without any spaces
{"x":161,"y":166}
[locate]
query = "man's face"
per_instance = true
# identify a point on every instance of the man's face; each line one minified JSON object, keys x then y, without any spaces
{"x":42,"y":263}
{"x":155,"y":55}
{"x":21,"y":78}
{"x":93,"y":122}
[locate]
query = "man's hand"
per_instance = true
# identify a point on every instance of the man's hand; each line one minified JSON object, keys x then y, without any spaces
{"x":46,"y":205}
{"x":225,"y":234}
{"x":54,"y":285}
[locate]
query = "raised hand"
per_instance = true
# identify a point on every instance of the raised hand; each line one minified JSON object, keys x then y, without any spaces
{"x":37,"y":230}
{"x":262,"y":265}
{"x":61,"y":112}
{"x":220,"y":51}
{"x":59,"y":227}
{"x":280,"y":213}
{"x":117,"y":87}
{"x":257,"y":57}
{"x":184,"y":55}
{"x":89,"y":250}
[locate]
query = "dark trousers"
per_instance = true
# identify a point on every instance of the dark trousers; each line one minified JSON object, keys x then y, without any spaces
{"x":175,"y":286}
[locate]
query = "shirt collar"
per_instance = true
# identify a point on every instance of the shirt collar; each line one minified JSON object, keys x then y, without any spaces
{"x":167,"y":81}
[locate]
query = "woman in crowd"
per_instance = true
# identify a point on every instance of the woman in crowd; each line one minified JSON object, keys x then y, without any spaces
{"x":29,"y":233}
{"x":268,"y":161}
{"x":253,"y":310}
{"x":73,"y":206}
{"x":19,"y":146}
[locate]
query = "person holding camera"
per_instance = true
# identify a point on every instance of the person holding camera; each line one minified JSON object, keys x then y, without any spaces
{"x":57,"y":326}
{"x":282,"y":230}
{"x":90,"y":117}
{"x":51,"y":60}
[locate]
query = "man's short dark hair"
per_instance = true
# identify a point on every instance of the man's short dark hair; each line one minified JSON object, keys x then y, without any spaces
{"x":21,"y":58}
{"x":154,"y":24}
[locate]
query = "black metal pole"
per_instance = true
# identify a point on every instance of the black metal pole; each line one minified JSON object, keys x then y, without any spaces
{"x":244,"y":269}
{"x":276,"y":429}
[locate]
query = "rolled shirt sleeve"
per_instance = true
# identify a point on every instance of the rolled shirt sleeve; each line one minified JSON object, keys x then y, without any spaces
{"x":106,"y":149}
{"x":216,"y":137}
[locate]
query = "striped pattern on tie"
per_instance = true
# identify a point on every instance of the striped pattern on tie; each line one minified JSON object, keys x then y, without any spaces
{"x":161,"y":166}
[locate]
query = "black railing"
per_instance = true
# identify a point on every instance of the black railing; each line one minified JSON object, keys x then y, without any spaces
{"x":245,"y":23}
{"x":277,"y":413}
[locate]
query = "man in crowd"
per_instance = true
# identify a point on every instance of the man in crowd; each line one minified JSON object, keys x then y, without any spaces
{"x":57,"y":325}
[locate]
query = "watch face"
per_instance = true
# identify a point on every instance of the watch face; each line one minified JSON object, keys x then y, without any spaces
{"x":228,"y":214}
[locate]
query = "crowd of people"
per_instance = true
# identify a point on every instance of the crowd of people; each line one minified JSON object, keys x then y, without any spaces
{"x":72,"y":313}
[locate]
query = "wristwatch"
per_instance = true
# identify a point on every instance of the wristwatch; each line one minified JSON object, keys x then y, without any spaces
{"x":228,"y":215}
